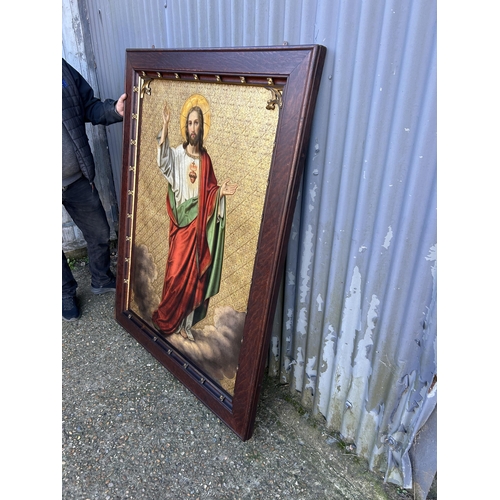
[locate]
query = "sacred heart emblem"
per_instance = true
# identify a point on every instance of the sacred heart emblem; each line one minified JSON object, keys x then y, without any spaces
{"x":192,"y":172}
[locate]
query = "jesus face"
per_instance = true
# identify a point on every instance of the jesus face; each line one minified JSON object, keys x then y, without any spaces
{"x":193,"y":128}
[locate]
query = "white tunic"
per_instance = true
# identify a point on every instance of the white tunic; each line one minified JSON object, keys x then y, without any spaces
{"x":176,"y":165}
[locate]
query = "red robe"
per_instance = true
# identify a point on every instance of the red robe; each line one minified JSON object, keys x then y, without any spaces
{"x":191,"y":277}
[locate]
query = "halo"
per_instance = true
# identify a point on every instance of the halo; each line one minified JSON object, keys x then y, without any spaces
{"x":196,"y":100}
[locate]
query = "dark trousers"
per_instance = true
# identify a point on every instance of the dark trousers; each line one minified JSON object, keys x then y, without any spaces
{"x":83,"y":204}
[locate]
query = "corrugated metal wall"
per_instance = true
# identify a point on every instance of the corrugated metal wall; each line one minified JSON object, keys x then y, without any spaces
{"x":115,"y":26}
{"x":356,"y":326}
{"x":77,"y":50}
{"x":359,"y":329}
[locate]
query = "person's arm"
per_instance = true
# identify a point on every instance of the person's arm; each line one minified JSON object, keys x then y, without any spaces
{"x":165,"y":157}
{"x":166,"y":121}
{"x":96,"y":111}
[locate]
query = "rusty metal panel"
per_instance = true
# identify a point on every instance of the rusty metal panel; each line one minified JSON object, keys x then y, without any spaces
{"x":355,"y":330}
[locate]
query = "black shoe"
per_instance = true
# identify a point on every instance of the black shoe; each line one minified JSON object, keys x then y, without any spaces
{"x":70,"y":309}
{"x":108,"y":287}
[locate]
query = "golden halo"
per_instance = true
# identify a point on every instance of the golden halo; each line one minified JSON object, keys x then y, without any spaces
{"x":195,"y":100}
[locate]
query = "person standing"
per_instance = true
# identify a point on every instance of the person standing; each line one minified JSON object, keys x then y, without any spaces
{"x":79,"y":193}
{"x":196,"y":209}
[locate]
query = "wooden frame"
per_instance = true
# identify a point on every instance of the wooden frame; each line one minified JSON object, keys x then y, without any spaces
{"x":286,"y":80}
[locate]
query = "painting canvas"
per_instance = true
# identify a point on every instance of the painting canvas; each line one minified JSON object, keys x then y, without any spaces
{"x":213,"y":150}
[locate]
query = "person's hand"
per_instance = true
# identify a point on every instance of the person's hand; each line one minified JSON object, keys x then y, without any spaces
{"x":228,"y":188}
{"x":120,"y":104}
{"x":166,"y":120}
{"x":166,"y":115}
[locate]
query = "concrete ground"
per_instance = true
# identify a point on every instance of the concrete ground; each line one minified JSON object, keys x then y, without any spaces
{"x":132,"y":430}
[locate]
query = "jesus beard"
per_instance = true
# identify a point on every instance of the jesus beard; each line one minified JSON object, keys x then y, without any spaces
{"x":194,"y":141}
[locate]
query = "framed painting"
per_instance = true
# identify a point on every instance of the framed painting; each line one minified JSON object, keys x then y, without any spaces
{"x":214,"y":148}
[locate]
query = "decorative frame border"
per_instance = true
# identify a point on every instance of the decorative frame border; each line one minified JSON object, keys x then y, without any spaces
{"x":292,"y":73}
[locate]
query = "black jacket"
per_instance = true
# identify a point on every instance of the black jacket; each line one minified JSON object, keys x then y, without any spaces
{"x":79,"y":105}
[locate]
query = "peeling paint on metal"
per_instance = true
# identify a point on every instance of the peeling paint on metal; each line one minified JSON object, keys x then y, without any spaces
{"x":311,"y":373}
{"x":388,"y":238}
{"x":299,"y":374}
{"x":307,"y":256}
{"x":350,"y":324}
{"x":319,"y":301}
{"x":326,"y":373}
{"x":352,"y":309}
{"x":289,"y":363}
{"x":432,"y":256}
{"x":312,"y":192}
{"x":275,"y":345}
{"x":361,"y":373}
{"x":428,"y":330}
{"x":362,"y":363}
{"x":302,"y":322}
{"x":289,"y":321}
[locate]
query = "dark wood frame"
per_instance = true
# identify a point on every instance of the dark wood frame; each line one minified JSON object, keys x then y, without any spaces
{"x":294,"y":71}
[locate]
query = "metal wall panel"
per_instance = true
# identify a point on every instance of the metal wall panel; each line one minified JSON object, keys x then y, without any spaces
{"x":355,"y":330}
{"x":77,"y":50}
{"x":359,"y":329}
{"x":116,"y":26}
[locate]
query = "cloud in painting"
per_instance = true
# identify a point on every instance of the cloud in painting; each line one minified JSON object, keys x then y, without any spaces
{"x":216,"y":348}
{"x":143,"y":275}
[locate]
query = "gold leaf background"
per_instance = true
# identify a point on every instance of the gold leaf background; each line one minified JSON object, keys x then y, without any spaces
{"x":240,"y":143}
